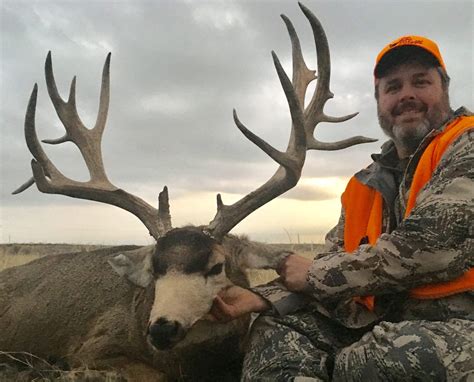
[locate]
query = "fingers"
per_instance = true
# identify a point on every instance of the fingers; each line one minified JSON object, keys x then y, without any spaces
{"x":210,"y":317}
{"x":281,"y":268}
{"x":222,"y":306}
{"x":220,"y":310}
{"x":293,"y":271}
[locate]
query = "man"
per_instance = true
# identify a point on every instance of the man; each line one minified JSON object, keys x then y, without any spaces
{"x":392,"y":299}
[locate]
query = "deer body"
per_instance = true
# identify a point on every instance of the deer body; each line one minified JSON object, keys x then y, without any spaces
{"x":84,"y":321}
{"x":101,"y":319}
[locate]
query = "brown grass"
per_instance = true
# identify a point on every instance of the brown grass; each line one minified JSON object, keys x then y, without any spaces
{"x":23,"y":367}
{"x":12,"y":255}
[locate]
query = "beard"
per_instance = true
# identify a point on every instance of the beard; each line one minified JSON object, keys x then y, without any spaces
{"x":408,"y":138}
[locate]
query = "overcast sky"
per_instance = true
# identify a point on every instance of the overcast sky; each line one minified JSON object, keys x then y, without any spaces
{"x":178,"y":69}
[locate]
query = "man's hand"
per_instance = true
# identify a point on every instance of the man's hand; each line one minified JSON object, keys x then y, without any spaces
{"x":234,"y":302}
{"x":293,"y":270}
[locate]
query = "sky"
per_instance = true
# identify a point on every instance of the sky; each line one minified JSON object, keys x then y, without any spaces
{"x":178,"y":69}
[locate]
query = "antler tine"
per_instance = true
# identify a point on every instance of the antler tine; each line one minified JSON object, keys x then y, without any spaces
{"x":302,"y":76}
{"x":104,"y":97}
{"x":24,"y":186}
{"x":314,"y":113}
{"x":66,"y":111}
{"x":49,"y":169}
{"x":287,"y":175}
{"x":88,"y":141}
{"x":164,"y":215}
{"x":304,"y":122}
{"x":34,"y":145}
{"x":50,"y":180}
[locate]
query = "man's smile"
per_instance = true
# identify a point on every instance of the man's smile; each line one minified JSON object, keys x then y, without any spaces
{"x":410,"y":115}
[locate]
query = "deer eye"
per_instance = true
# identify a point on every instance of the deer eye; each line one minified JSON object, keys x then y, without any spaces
{"x":215,"y":270}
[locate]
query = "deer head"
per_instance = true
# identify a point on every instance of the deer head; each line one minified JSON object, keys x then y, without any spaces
{"x":187,"y":266}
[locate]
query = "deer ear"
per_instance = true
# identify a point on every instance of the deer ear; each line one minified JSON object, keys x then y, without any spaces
{"x":135,"y":265}
{"x":254,"y":255}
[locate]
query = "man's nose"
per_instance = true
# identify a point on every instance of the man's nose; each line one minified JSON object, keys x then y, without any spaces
{"x":407,"y":93}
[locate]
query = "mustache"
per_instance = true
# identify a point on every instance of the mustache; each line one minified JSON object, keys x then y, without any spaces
{"x":410,"y":105}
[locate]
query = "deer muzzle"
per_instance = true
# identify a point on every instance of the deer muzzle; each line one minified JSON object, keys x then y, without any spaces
{"x":164,"y":334}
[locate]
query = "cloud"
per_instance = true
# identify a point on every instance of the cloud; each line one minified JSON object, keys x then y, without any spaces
{"x":178,"y":69}
{"x":318,"y":189}
{"x":220,"y":15}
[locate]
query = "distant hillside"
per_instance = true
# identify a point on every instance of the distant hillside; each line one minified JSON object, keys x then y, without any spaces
{"x":42,"y":249}
{"x":314,"y":248}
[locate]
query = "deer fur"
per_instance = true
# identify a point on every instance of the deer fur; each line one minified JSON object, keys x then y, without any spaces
{"x":78,"y":310}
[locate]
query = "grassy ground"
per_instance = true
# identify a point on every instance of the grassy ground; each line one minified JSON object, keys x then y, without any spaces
{"x":17,"y":254}
{"x":25,"y":367}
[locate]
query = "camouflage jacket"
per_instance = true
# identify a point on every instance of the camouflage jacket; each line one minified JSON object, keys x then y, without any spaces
{"x":434,"y":244}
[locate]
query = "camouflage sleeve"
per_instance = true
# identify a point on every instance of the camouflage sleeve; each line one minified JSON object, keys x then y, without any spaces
{"x":281,"y":299}
{"x":335,"y":237}
{"x":434,"y":244}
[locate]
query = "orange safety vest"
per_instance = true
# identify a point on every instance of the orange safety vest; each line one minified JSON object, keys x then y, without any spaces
{"x":363,"y":207}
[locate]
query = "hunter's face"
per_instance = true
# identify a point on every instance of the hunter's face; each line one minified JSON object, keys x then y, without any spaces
{"x":411,"y":102}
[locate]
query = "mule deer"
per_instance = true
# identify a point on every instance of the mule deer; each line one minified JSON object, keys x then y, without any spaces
{"x":146,"y":318}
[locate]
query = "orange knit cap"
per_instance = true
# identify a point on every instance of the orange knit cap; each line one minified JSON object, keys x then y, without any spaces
{"x":418,"y":41}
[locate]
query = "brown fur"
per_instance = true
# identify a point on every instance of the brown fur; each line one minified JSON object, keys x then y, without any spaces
{"x":74,"y":308}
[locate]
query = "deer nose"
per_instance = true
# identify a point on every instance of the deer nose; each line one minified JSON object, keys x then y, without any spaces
{"x":165,"y":333}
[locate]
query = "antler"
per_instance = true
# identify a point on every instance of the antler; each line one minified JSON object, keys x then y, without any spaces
{"x":50,"y":180}
{"x":304,"y":122}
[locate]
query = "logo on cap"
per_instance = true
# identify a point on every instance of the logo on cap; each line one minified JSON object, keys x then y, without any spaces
{"x":407,"y":40}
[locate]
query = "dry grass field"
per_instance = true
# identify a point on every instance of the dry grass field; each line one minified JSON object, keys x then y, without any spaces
{"x":17,"y":254}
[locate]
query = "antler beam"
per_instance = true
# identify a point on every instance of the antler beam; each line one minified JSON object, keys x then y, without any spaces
{"x":50,"y":180}
{"x":304,"y":122}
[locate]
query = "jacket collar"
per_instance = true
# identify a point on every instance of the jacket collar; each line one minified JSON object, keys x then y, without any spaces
{"x":386,"y":166}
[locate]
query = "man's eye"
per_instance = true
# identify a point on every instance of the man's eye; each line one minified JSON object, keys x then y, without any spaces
{"x":215,"y":270}
{"x":421,"y":82}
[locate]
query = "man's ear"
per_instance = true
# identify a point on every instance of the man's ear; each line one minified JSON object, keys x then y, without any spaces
{"x":136,"y":265}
